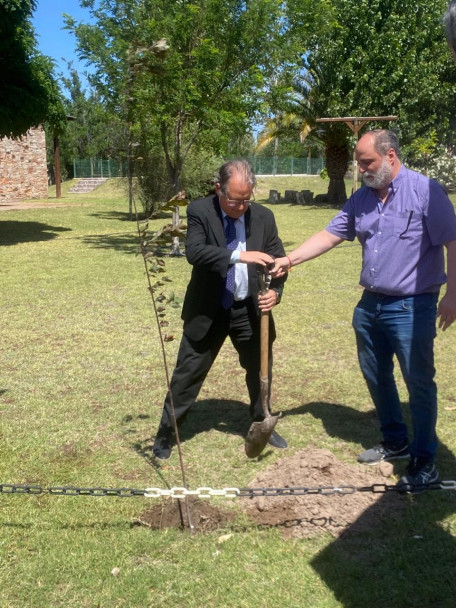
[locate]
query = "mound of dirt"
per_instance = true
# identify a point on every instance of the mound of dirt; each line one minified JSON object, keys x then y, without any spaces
{"x":307,"y":515}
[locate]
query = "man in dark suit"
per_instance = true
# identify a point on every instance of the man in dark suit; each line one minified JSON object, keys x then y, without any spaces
{"x":228,"y":238}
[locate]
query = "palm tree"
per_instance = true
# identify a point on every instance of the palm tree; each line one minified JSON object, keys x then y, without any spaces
{"x":299,"y":116}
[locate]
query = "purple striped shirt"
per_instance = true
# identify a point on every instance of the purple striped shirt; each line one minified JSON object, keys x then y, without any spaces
{"x":402,"y":239}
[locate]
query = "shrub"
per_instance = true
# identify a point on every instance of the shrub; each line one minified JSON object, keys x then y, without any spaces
{"x":442,"y":167}
{"x":199,"y":171}
{"x":152,"y":181}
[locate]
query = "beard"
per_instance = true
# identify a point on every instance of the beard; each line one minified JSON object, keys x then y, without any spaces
{"x":379,"y":179}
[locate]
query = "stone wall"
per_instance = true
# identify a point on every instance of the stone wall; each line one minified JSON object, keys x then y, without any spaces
{"x":23,"y":170}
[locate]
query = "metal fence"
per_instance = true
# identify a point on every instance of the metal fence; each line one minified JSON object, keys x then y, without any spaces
{"x":97,"y":167}
{"x":287,"y":165}
{"x":262,"y":165}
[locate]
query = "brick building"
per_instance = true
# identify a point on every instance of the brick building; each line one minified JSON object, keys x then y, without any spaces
{"x":23,"y":169}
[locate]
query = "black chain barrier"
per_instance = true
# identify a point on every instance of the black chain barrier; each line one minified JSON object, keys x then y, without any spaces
{"x":205,"y":492}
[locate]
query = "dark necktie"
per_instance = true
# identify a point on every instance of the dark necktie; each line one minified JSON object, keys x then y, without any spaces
{"x":231,"y":243}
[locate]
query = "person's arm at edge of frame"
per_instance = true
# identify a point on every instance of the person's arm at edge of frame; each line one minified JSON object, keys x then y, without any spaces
{"x":447,"y":305}
{"x":316,"y":245}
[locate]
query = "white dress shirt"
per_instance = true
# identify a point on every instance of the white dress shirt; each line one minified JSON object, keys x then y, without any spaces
{"x":241,"y":277}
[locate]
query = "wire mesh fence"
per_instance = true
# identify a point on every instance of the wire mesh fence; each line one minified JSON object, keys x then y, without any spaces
{"x":287,"y":165}
{"x":98,"y":167}
{"x":262,"y":165}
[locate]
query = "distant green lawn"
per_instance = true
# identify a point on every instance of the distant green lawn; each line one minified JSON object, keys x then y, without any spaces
{"x":81,"y":389}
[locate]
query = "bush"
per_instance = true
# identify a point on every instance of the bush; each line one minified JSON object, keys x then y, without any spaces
{"x":153,"y":187}
{"x":442,"y":167}
{"x":199,"y":171}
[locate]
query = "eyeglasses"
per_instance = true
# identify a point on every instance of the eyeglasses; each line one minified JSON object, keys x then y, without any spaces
{"x":232,"y":202}
{"x":237,"y":202}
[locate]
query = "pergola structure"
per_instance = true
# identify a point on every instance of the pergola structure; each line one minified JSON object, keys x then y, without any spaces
{"x":356,"y":123}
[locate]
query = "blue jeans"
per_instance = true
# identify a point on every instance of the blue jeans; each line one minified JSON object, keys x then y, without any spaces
{"x":403,"y":326}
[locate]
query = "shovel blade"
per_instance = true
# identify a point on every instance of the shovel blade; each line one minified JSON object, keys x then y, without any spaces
{"x":258,"y":436}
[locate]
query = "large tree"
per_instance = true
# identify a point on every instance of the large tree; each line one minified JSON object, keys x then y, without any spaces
{"x":372,"y":58}
{"x":92,"y":132}
{"x":220,"y":56}
{"x":29,"y":95}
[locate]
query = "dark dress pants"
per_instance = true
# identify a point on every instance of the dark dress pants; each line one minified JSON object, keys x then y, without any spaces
{"x":242,"y":324}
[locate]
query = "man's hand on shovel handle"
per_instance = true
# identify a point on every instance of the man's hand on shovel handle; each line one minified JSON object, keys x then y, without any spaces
{"x":267,"y":301}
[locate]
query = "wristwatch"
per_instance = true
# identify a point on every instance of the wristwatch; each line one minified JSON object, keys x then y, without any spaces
{"x":279,"y":297}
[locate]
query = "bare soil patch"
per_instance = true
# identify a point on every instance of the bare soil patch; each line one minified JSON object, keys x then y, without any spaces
{"x":172,"y":513}
{"x":297,"y":516}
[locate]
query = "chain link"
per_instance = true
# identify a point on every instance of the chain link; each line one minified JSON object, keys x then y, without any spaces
{"x":207,"y":492}
{"x":203,"y":492}
{"x":448,"y":485}
{"x":69,"y":491}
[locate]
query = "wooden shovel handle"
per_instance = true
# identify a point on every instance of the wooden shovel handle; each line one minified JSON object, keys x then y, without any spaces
{"x":264,"y":340}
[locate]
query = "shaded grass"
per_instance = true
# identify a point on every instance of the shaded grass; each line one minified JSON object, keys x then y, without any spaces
{"x":81,"y":389}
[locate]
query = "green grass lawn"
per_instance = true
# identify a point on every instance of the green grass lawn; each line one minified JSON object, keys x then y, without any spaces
{"x":82,"y":384}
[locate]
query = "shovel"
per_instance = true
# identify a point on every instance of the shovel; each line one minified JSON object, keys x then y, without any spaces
{"x":260,"y":432}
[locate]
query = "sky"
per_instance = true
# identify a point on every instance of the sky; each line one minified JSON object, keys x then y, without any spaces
{"x":52,"y":39}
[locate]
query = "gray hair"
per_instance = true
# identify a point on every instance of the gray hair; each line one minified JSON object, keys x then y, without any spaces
{"x":240,"y":166}
{"x":385,"y":140}
{"x":449,"y":21}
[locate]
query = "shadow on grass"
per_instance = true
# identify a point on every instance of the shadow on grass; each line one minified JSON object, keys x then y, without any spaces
{"x":14,"y":232}
{"x":144,"y":446}
{"x":342,"y":421}
{"x":396,"y":558}
{"x":226,"y":416}
{"x":231,"y":417}
{"x":121,"y":216}
{"x":124,"y":216}
{"x":126,"y":242}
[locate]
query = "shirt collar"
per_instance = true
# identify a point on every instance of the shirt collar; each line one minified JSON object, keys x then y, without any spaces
{"x":398,"y":180}
{"x":241,"y":219}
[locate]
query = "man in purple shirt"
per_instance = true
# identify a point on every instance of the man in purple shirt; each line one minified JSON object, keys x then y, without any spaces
{"x":403,"y":221}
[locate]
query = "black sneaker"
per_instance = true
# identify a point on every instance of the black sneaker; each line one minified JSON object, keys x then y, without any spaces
{"x":417,"y":477}
{"x":384,"y":451}
{"x":162,"y":446}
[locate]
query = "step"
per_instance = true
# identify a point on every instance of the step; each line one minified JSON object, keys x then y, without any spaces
{"x":87,"y":184}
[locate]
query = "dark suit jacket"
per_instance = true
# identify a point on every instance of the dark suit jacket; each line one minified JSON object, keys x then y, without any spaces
{"x":206,"y":250}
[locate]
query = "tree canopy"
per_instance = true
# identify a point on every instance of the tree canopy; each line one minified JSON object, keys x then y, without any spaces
{"x":226,"y":61}
{"x":381,"y":57}
{"x":212,"y":77}
{"x":28,"y":91}
{"x":372,"y":58}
